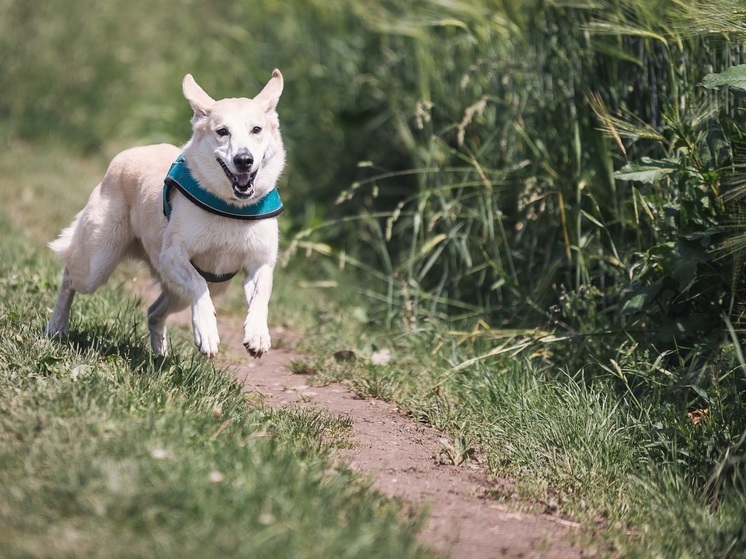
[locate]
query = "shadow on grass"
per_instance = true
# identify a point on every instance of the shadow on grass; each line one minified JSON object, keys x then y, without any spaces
{"x":124,"y":339}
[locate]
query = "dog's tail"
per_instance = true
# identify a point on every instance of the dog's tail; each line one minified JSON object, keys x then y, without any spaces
{"x":61,"y":245}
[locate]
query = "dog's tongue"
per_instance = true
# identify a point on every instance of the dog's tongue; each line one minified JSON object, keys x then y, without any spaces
{"x":243,"y":180}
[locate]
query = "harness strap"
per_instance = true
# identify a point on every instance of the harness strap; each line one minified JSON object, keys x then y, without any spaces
{"x":180,"y":177}
{"x":214,"y":278}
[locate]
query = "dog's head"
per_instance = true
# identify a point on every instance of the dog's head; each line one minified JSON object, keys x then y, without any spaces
{"x":236,"y":149}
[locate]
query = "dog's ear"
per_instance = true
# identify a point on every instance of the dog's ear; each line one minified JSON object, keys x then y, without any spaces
{"x":270,"y":95}
{"x":200,"y":101}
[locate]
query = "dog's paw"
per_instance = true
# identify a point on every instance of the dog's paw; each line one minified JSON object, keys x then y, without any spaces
{"x":257,"y":342}
{"x":159,"y":342}
{"x":206,"y":336}
{"x":56,"y":331}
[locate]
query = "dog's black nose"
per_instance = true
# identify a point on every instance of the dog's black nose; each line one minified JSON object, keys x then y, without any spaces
{"x":243,"y":160}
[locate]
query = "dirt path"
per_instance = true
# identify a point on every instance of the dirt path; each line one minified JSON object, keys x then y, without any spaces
{"x":400,"y":455}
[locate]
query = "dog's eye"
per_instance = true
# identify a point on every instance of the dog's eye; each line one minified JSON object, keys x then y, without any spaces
{"x":256,"y":129}
{"x":222,"y":131}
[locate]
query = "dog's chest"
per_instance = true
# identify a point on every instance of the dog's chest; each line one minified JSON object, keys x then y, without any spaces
{"x":224,"y":245}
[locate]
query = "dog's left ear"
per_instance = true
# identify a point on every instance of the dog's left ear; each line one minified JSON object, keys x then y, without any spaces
{"x":200,"y":101}
{"x":270,"y":95}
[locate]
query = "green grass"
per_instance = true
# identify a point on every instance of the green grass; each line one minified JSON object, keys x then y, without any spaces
{"x":106,"y":451}
{"x":639,"y":476}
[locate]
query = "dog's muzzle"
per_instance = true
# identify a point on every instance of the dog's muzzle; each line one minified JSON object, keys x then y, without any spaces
{"x":243,"y":181}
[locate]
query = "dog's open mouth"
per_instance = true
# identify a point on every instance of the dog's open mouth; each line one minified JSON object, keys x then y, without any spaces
{"x":243,"y":183}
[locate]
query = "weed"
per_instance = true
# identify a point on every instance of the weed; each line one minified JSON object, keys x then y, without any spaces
{"x":457,"y":452}
{"x":303,"y":366}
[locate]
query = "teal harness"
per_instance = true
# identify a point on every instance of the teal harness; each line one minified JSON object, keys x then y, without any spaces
{"x":180,"y":178}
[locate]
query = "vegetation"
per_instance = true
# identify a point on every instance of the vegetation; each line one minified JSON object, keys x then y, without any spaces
{"x":541,"y":201}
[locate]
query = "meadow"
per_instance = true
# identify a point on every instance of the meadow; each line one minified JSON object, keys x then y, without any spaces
{"x":535,"y":206}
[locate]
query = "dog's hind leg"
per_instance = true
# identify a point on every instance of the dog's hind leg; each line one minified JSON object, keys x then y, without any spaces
{"x":59,"y":323}
{"x":166,"y":304}
{"x":86,"y":278}
{"x":91,"y":248}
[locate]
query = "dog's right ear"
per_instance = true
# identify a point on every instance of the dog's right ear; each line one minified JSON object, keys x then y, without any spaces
{"x":200,"y":101}
{"x":270,"y":95}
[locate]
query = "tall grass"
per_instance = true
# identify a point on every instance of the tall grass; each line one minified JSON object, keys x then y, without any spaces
{"x":569,"y":181}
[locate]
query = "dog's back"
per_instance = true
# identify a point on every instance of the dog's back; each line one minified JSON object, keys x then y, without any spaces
{"x":123,"y":209}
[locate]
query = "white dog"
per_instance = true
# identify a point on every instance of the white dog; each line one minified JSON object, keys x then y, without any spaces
{"x":214,"y":216}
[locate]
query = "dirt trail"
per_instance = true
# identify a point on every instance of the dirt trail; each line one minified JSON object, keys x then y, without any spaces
{"x":400,"y":455}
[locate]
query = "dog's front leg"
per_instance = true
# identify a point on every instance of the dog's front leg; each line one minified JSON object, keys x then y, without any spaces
{"x":258,"y":289}
{"x":183,"y":279}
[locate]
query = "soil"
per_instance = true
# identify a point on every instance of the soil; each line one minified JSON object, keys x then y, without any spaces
{"x":404,"y":460}
{"x":403,"y":457}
